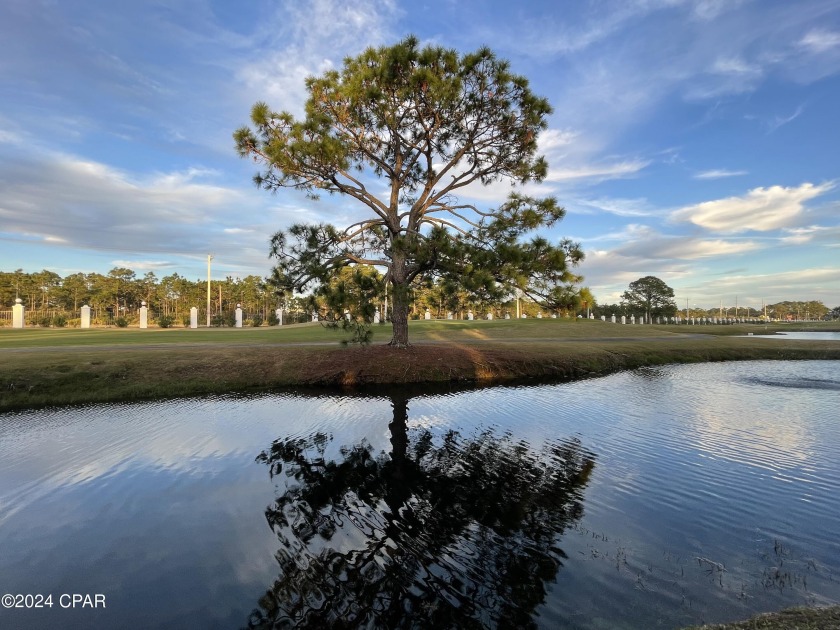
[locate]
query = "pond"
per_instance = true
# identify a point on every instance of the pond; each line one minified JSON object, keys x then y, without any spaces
{"x":813,"y":335}
{"x":661,"y":497}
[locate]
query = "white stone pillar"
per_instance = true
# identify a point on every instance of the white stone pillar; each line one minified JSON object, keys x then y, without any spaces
{"x":194,"y":317}
{"x":449,"y":315}
{"x":238,"y":316}
{"x":612,"y":318}
{"x":279,"y":313}
{"x":554,"y":316}
{"x":623,"y":319}
{"x":507,"y":315}
{"x":144,"y":315}
{"x":376,"y":316}
{"x":539,"y":315}
{"x":18,"y":314}
{"x":490,"y":316}
{"x":85,"y":317}
{"x":428,"y":314}
{"x":469,"y":315}
{"x":347,"y":315}
{"x":603,"y":318}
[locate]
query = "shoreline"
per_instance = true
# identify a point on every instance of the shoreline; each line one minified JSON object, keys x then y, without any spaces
{"x":36,"y":377}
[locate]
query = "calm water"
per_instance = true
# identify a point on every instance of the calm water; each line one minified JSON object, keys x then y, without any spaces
{"x":656,"y":498}
{"x":815,"y":336}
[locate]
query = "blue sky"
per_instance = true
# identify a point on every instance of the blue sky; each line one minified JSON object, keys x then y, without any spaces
{"x":694,"y":140}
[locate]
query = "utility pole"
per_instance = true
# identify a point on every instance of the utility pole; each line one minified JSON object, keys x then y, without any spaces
{"x":209,"y":258}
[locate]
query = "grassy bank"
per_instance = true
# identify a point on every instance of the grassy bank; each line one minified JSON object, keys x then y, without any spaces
{"x":791,"y":619}
{"x":40,"y":367}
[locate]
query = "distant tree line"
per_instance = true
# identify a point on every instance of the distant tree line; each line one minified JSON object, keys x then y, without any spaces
{"x":121,"y":291}
{"x":652,"y":297}
{"x":358,"y":290}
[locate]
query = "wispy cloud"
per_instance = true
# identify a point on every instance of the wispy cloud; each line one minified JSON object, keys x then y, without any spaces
{"x":617,"y":206}
{"x":718,"y":173}
{"x":781,"y":121}
{"x":310,"y":38}
{"x":644,"y":243}
{"x":761,"y":209}
{"x":820,"y":40}
{"x":815,"y":234}
{"x":143,"y":265}
{"x":598,"y":172}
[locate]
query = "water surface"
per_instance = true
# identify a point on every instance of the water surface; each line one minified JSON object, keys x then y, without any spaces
{"x":815,"y":335}
{"x":656,"y":498}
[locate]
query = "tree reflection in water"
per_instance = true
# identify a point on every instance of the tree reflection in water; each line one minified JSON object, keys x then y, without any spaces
{"x":458,"y":533}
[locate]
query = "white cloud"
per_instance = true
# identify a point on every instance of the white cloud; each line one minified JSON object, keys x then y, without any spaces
{"x":761,"y":209}
{"x":79,"y":203}
{"x":718,"y":173}
{"x":735,"y":66}
{"x":645,"y":243}
{"x":9,"y":137}
{"x":552,"y":140}
{"x":817,"y":234}
{"x":708,"y":10}
{"x":821,"y":283}
{"x":820,"y":41}
{"x":780,"y":121}
{"x":310,"y":38}
{"x":617,"y":206}
{"x":142,"y":265}
{"x":600,"y":172}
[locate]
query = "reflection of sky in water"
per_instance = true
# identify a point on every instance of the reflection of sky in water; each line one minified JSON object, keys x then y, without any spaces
{"x":815,"y":336}
{"x":731,"y":462}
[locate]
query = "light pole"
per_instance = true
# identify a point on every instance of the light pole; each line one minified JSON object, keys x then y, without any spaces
{"x":209,"y":258}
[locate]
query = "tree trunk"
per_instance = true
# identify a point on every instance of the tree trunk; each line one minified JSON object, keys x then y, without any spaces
{"x":399,"y":314}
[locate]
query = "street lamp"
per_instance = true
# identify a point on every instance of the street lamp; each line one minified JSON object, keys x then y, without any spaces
{"x":209,"y":258}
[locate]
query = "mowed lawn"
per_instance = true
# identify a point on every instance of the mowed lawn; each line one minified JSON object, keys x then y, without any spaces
{"x":420,"y":331}
{"x":41,"y":367}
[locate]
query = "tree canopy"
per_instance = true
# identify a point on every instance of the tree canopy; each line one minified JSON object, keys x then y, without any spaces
{"x":430,"y":123}
{"x":651,"y":295}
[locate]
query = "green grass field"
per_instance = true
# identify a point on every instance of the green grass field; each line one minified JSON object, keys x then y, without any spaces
{"x":40,"y":367}
{"x":432,"y":330}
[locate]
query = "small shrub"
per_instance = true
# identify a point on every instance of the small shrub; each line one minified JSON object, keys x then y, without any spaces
{"x":166,"y":321}
{"x":185,"y":320}
{"x":59,"y":321}
{"x":256,"y":321}
{"x":230,"y":319}
{"x":121,"y":322}
{"x":45,"y":321}
{"x":273,"y":320}
{"x":360,"y":332}
{"x":217,"y":321}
